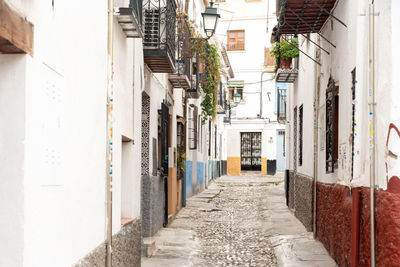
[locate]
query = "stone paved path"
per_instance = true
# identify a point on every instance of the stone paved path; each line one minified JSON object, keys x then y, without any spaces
{"x":237,"y":221}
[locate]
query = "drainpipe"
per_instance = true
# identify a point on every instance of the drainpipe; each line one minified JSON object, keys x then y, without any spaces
{"x":109,"y":138}
{"x":372,"y":126}
{"x":316,"y":116}
{"x":261,"y":98}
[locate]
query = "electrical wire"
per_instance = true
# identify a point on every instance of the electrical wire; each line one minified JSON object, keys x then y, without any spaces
{"x":249,"y":83}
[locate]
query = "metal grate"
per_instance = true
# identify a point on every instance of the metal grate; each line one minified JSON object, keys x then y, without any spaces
{"x":192,"y":127}
{"x":301,"y":135}
{"x":331,"y":128}
{"x":250,"y":151}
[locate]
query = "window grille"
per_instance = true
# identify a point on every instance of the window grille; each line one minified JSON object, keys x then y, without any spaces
{"x":332,"y":125}
{"x":192,"y":127}
{"x":301,"y":135}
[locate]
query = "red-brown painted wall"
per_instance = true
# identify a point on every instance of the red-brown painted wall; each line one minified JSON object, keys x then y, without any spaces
{"x":334,"y":214}
{"x":334,"y":221}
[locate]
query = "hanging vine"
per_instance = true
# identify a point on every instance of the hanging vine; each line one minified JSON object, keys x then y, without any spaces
{"x":209,"y":63}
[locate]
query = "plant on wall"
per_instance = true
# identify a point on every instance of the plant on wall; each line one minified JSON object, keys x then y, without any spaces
{"x":208,"y":55}
{"x":285,"y":51}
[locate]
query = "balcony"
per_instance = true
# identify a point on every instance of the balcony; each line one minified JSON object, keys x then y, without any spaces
{"x":197,"y":77}
{"x":129,"y":16}
{"x":287,"y":75}
{"x":222,"y":102}
{"x":302,"y":16}
{"x":180,"y":79}
{"x":159,"y":35}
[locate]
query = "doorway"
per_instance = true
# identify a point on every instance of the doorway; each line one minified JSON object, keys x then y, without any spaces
{"x":250,"y":151}
{"x":280,"y":151}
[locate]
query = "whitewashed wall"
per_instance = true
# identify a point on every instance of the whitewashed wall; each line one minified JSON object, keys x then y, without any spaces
{"x":12,"y":138}
{"x":351,"y":51}
{"x":63,"y":159}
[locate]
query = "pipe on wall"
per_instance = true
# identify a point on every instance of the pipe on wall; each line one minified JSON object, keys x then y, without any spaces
{"x":109,"y":127}
{"x":315,"y":170}
{"x":372,"y":126}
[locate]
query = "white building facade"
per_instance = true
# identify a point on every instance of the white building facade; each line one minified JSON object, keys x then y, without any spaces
{"x":254,"y":135}
{"x":328,"y":126}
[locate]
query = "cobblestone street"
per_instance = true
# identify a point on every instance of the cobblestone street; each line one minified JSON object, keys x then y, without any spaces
{"x":237,"y":221}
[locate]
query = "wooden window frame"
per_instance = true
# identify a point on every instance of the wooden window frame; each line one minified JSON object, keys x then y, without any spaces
{"x":236,"y":45}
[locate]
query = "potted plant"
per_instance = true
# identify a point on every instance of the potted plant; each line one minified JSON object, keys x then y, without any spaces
{"x":285,"y":51}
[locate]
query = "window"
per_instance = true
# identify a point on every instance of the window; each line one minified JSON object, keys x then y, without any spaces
{"x":236,"y":40}
{"x":192,"y":127}
{"x":280,"y":108}
{"x":268,"y":60}
{"x":301,"y":135}
{"x":332,"y":126}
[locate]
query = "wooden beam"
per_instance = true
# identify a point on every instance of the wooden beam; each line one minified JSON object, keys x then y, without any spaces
{"x":16,"y":33}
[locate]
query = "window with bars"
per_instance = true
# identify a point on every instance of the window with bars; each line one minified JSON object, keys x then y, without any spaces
{"x":301,"y":135}
{"x":332,"y":126}
{"x":192,"y":127}
{"x":236,"y":40}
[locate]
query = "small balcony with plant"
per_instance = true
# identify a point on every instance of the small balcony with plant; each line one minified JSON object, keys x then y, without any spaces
{"x":285,"y":54}
{"x":159,"y":40}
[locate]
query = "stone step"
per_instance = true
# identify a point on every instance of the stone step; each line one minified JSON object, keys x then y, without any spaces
{"x":149,"y":246}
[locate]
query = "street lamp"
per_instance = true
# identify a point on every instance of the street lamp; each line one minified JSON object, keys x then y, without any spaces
{"x":237,"y":98}
{"x":210,"y":19}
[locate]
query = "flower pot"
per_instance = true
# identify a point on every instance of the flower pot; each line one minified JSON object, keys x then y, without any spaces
{"x":285,"y":63}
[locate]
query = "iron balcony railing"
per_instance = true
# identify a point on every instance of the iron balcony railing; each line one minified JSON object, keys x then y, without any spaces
{"x":183,"y":49}
{"x":159,"y":23}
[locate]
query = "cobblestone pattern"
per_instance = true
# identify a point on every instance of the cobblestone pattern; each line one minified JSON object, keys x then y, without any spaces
{"x":303,"y":202}
{"x":233,"y":228}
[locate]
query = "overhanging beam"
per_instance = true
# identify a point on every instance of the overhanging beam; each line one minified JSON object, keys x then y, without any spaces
{"x":328,"y":13}
{"x":16,"y":33}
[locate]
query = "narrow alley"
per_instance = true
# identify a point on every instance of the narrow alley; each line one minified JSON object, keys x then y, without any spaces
{"x":205,"y":133}
{"x":237,"y":221}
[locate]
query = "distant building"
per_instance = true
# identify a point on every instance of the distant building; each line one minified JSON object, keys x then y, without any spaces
{"x":255,"y":137}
